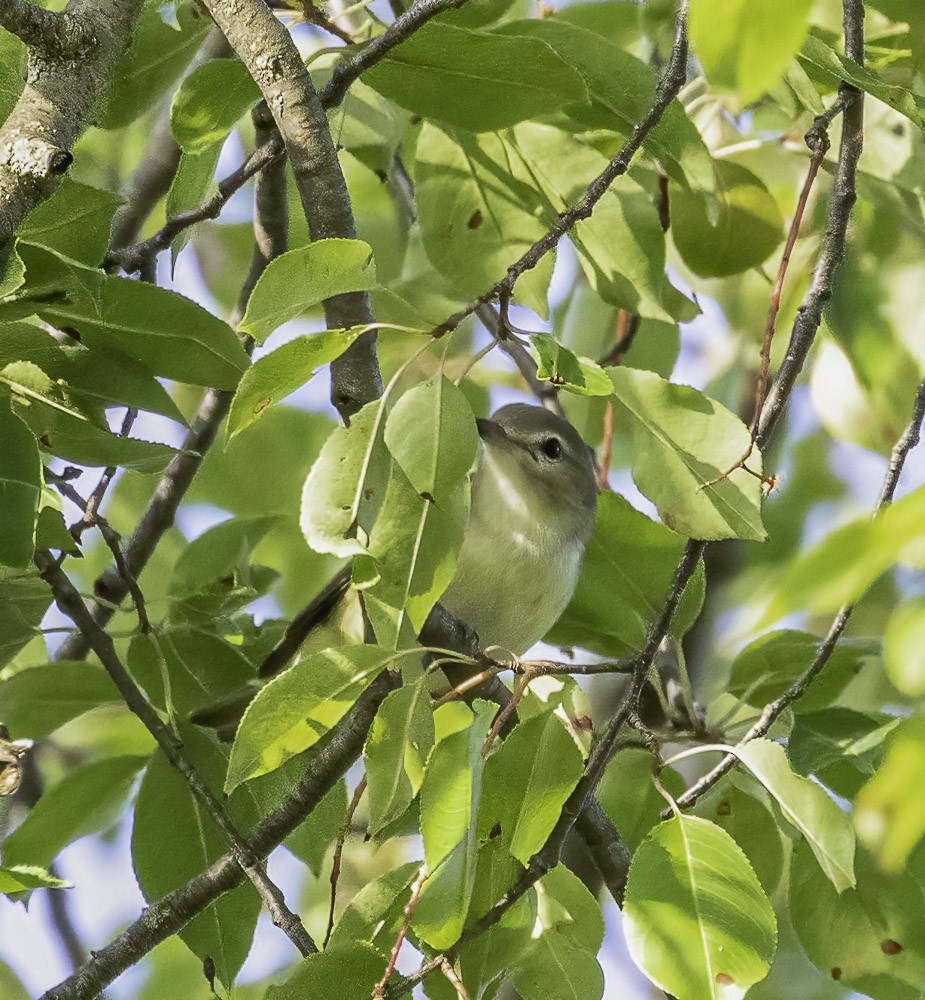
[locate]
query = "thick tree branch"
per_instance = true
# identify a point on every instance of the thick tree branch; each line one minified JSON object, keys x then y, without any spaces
{"x":668,"y":87}
{"x":270,"y":55}
{"x":326,"y":763}
{"x":48,"y":33}
{"x":774,"y":709}
{"x":57,"y":101}
{"x":72,"y":605}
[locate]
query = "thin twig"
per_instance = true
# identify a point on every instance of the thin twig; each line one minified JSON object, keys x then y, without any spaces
{"x":339,"y":851}
{"x":70,"y":603}
{"x":817,"y":139}
{"x":416,"y":888}
{"x":113,"y":542}
{"x":133,"y":258}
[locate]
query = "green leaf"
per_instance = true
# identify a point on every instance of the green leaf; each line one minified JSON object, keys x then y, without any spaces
{"x":622,"y":90}
{"x":840,"y":747}
{"x":856,"y":932}
{"x":627,"y":571}
{"x":10,"y":986}
{"x":806,"y":806}
{"x":732,"y":233}
{"x":218,"y":553}
{"x":450,"y":796}
{"x":376,"y":912}
{"x":171,"y":335}
{"x":20,"y":488}
{"x":298,"y":280}
{"x":696,"y":919}
{"x":12,"y":270}
{"x":889,"y":816}
{"x":156,"y":57}
{"x":741,"y":807}
{"x":13,"y":58}
{"x":277,"y":374}
{"x":86,"y":800}
{"x":772,"y":662}
{"x":39,"y":700}
{"x":25,"y":598}
{"x":75,"y":221}
{"x":94,"y":380}
{"x":51,"y":532}
{"x":554,"y":966}
{"x":628,"y":794}
{"x":745,"y":45}
{"x":824,"y":64}
{"x":558,"y":365}
{"x":67,"y":434}
{"x":346,"y":485}
{"x":904,"y":647}
{"x":21,"y":878}
{"x":192,"y":184}
{"x":294,"y":710}
{"x":209,"y":102}
{"x":174,"y":839}
{"x":396,"y":749}
{"x":200,"y":668}
{"x":475,"y":80}
{"x":367,"y":125}
{"x":475,"y":215}
{"x":843,"y":565}
{"x":343,"y":973}
{"x":682,"y":440}
{"x":415,"y":544}
{"x":526,"y":783}
{"x":431,"y":434}
{"x":621,"y":247}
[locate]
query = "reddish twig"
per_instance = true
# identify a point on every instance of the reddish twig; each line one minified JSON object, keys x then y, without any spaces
{"x":817,"y":139}
{"x":416,"y":889}
{"x":339,"y":851}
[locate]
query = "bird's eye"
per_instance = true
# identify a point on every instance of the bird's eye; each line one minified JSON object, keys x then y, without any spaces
{"x":552,"y":448}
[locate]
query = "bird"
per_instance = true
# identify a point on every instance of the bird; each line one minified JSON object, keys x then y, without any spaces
{"x":533,"y":503}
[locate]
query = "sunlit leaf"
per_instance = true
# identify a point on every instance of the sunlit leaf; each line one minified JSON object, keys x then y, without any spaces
{"x":297,"y":281}
{"x":696,"y":919}
{"x":296,"y":708}
{"x":279,"y":373}
{"x":450,"y":797}
{"x":683,"y":440}
{"x":396,"y":750}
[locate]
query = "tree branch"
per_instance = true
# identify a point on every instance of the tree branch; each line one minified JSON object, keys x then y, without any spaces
{"x":271,"y":57}
{"x":50,"y":34}
{"x":71,"y":604}
{"x":326,"y":763}
{"x":57,"y":100}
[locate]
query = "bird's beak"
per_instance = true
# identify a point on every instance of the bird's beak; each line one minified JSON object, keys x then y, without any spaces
{"x":490,"y":430}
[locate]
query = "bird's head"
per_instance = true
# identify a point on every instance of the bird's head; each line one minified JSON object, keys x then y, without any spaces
{"x":545,"y":461}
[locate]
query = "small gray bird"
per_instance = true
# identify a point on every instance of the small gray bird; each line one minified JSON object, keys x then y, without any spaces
{"x":534,"y":495}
